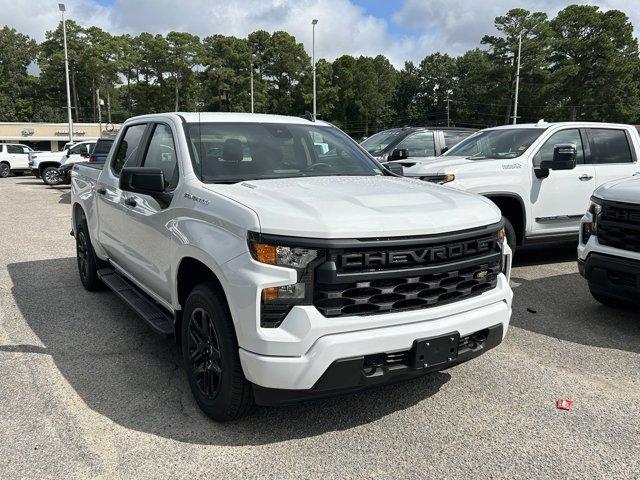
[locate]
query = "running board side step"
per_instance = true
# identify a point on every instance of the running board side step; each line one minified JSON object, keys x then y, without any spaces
{"x":158,"y":319}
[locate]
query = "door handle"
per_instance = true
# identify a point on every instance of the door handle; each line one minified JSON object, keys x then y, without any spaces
{"x":101,"y":190}
{"x":130,"y":202}
{"x":584,"y":177}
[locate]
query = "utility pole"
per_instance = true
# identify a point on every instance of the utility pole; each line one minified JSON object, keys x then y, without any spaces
{"x":448,"y":123}
{"x":314,"y":22}
{"x":108,"y":107}
{"x":515,"y":105}
{"x":62,"y":9}
{"x":99,"y":111}
{"x":252,"y":83}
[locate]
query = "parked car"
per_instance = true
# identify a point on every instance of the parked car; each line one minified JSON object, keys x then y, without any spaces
{"x":542,"y":196}
{"x":14,"y":158}
{"x":609,"y":247}
{"x":414,"y":142}
{"x":98,"y":155}
{"x":286,"y":273}
{"x":45,"y":165}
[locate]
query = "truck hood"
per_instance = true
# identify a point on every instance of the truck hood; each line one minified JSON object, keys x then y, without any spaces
{"x":626,"y":190}
{"x":358,"y":207}
{"x":434,"y":165}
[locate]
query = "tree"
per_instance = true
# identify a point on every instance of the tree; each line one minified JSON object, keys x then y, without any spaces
{"x":17,"y":52}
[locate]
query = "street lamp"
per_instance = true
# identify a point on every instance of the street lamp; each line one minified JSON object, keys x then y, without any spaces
{"x":515,"y":104}
{"x":62,"y":9}
{"x":314,"y":22}
{"x":252,"y":57}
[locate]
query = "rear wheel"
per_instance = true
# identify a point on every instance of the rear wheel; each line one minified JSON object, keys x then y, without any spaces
{"x":86,"y":258}
{"x":211,"y":359}
{"x":50,"y":176}
{"x":5,"y":170}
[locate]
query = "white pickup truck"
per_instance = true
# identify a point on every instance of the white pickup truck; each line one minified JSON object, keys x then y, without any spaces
{"x":541,"y":199}
{"x":45,"y":165}
{"x":287,"y":271}
{"x":609,"y":247}
{"x":14,"y":158}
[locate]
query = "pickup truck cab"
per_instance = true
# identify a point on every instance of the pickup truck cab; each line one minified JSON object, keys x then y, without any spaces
{"x":609,"y":247}
{"x":45,"y":165}
{"x":513,"y":165}
{"x":287,"y":271}
{"x":414,"y":142}
{"x":14,"y":158}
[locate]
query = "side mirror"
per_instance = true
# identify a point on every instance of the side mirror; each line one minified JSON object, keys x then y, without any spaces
{"x":399,"y":154}
{"x":85,"y":154}
{"x":564,"y":158}
{"x":395,"y":168}
{"x":68,"y":154}
{"x":147,"y":181}
{"x":444,"y":149}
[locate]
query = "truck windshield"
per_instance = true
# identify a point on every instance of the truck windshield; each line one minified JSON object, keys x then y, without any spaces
{"x":380,"y":141}
{"x":234,"y":152}
{"x":499,"y":143}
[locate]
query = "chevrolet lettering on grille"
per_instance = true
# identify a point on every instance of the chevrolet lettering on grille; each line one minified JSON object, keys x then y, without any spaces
{"x":401,"y":258}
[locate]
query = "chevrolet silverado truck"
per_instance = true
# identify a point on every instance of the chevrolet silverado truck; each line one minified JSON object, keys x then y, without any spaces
{"x":285,"y":271}
{"x":45,"y":165}
{"x":609,"y":247}
{"x":540,"y":189}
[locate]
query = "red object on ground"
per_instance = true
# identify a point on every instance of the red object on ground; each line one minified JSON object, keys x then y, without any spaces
{"x":564,"y":404}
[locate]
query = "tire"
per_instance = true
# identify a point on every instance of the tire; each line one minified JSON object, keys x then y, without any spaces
{"x":50,"y":176}
{"x":510,"y":234}
{"x":88,"y":264}
{"x":5,"y":170}
{"x":211,"y":359}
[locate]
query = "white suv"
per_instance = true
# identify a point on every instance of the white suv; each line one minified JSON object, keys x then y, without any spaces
{"x":14,"y":158}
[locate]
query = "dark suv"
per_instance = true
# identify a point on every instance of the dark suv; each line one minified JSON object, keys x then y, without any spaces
{"x":416,"y":142}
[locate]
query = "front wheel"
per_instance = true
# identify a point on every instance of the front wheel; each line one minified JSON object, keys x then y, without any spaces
{"x":51,"y":176}
{"x":211,"y":359}
{"x":5,"y":170}
{"x":510,"y":234}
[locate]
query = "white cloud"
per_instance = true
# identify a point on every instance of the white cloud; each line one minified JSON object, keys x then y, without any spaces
{"x":452,"y":26}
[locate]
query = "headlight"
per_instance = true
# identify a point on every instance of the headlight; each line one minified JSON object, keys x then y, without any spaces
{"x":440,"y":179}
{"x":590,"y":226}
{"x":277,"y":301}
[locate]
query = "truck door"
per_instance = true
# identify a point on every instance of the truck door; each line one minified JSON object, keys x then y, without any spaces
{"x":144,"y":228}
{"x":610,"y":154}
{"x":560,"y":200}
{"x":18,"y":157}
{"x":109,"y":197}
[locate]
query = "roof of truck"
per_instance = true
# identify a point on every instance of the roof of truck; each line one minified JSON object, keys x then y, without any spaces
{"x":235,"y":117}
{"x":544,"y":125}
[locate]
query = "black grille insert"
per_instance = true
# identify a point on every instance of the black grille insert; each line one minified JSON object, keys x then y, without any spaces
{"x":619,"y":226}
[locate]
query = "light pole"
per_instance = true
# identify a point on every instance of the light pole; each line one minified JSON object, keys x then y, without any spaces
{"x":98,"y":101}
{"x":314,"y":22}
{"x":252,"y":83}
{"x":62,"y":9}
{"x":515,"y":105}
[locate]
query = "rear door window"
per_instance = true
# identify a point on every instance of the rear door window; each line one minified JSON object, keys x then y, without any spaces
{"x":128,"y":148}
{"x":609,"y":145}
{"x":162,"y":154}
{"x":14,"y":149}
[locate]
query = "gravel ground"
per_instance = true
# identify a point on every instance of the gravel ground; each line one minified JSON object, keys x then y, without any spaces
{"x":87,"y":390}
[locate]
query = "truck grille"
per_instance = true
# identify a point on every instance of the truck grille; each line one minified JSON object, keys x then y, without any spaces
{"x":374,"y":281}
{"x":619,"y":226}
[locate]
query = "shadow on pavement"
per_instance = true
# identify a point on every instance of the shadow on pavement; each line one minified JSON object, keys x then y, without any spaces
{"x":544,"y":254}
{"x":33,"y":181}
{"x":122,"y":370}
{"x":564,"y":309}
{"x":65,"y":198}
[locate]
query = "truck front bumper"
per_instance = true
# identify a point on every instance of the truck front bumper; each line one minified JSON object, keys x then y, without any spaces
{"x":354,"y":360}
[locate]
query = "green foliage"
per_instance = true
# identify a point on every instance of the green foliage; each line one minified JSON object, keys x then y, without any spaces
{"x":582,"y":64}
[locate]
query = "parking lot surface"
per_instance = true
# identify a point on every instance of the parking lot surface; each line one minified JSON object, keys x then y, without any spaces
{"x":87,"y":390}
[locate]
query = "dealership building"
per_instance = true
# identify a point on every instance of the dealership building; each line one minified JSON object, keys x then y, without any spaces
{"x":52,"y":136}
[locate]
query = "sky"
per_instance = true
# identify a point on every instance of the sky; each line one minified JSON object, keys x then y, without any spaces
{"x":399,"y":29}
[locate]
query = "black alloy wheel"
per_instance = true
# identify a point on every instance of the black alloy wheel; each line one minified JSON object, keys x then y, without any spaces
{"x":82,"y":253}
{"x":204,"y":351}
{"x":5,"y":170}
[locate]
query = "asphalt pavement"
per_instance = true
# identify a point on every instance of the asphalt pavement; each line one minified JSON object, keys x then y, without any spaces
{"x":88,"y":391}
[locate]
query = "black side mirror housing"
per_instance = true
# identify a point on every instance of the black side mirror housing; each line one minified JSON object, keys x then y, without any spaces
{"x":146,"y":181}
{"x":564,"y":157}
{"x":399,"y":154}
{"x":395,"y":168}
{"x":444,"y":149}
